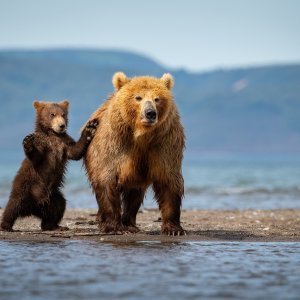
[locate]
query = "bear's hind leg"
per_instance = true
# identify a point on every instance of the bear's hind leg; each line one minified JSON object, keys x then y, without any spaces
{"x":9,"y":217}
{"x":12,"y":211}
{"x":132,"y":200}
{"x":169,"y":204}
{"x":54,"y":212}
{"x":109,"y":214}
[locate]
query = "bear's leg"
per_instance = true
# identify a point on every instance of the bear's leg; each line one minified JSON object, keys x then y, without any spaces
{"x":53,"y":212}
{"x":18,"y":205}
{"x":11,"y":213}
{"x":109,"y":214}
{"x":132,"y":200}
{"x":169,"y":203}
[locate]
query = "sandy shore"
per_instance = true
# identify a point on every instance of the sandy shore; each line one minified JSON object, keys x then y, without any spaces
{"x":201,"y":225}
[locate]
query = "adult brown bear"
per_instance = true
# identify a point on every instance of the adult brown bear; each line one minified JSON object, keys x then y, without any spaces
{"x":140,"y":143}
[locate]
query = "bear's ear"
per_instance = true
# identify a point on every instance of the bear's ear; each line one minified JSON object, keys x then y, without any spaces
{"x":64,"y":104}
{"x":119,"y":79}
{"x":38,"y":104}
{"x":167,"y":80}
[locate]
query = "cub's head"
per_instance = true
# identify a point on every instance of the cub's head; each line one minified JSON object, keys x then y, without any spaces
{"x":144,"y":102}
{"x":52,"y":116}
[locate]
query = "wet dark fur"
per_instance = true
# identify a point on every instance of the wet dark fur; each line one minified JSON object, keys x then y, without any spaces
{"x":36,"y":189}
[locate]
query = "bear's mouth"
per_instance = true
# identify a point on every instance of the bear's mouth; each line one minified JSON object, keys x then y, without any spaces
{"x":59,"y":129}
{"x":148,"y":123}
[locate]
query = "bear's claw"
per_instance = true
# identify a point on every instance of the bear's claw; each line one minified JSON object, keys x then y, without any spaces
{"x":131,"y":229}
{"x":28,"y":142}
{"x":111,"y":227}
{"x":91,"y":128}
{"x":172,"y":230}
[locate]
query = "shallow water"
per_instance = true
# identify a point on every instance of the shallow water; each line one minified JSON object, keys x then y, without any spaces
{"x":149,"y":270}
{"x":240,"y":182}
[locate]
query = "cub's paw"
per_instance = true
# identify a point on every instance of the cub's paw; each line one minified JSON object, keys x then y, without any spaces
{"x":62,"y":228}
{"x":6,"y":227}
{"x":52,"y":227}
{"x":172,"y":229}
{"x":28,"y":142}
{"x":90,"y":129}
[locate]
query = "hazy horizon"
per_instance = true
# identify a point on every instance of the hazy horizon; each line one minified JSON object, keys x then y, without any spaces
{"x":172,"y":68}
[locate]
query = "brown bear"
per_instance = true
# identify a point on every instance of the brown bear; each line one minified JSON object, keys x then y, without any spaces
{"x":140,"y":143}
{"x":36,"y":189}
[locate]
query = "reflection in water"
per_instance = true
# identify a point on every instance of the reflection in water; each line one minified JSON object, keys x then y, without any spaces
{"x":149,"y":270}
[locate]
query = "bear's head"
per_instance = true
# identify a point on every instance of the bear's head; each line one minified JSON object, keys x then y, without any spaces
{"x":144,"y":102}
{"x":52,"y":116}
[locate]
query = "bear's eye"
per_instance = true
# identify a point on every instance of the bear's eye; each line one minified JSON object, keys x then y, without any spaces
{"x":52,"y":115}
{"x":156,"y":99}
{"x":63,"y":115}
{"x":138,"y":98}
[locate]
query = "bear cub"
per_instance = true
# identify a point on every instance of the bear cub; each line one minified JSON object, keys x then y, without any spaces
{"x":36,"y":189}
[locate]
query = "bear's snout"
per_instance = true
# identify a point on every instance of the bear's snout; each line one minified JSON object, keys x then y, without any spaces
{"x":149,"y":113}
{"x":59,"y":125}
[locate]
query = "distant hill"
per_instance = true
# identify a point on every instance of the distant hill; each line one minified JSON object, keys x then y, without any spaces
{"x":241,"y":110}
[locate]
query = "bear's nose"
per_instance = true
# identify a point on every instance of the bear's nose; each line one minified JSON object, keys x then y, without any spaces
{"x":62,"y":126}
{"x":150,"y":114}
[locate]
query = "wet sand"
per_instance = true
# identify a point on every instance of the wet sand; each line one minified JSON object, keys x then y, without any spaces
{"x":201,"y":225}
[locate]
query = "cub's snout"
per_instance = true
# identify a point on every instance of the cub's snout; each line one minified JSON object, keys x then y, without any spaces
{"x":59,"y":124}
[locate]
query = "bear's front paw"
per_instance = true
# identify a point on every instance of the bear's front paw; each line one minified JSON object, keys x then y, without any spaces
{"x":172,"y":229}
{"x":90,"y":129}
{"x":111,"y":227}
{"x":128,"y":225}
{"x":28,"y":142}
{"x":131,"y":229}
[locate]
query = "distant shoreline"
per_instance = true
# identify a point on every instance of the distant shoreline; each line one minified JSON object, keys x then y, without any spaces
{"x":281,"y":225}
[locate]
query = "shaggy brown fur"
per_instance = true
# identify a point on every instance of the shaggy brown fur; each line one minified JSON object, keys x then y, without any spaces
{"x":140,"y":143}
{"x":37,"y":186}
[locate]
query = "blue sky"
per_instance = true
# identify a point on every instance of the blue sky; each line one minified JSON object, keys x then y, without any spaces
{"x":191,"y":34}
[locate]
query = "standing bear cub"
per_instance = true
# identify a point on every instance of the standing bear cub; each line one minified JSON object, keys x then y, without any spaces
{"x":37,"y":186}
{"x":140,"y":143}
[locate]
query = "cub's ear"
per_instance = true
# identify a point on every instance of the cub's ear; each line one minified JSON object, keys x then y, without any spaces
{"x":167,"y":80}
{"x":64,"y":104}
{"x":119,"y":79}
{"x":38,"y":104}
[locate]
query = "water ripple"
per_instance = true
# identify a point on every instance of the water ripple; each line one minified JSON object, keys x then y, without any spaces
{"x":81,"y":270}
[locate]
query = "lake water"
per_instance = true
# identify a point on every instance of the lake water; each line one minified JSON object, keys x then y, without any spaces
{"x":211,"y":182}
{"x":155,"y":270}
{"x":149,"y":270}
